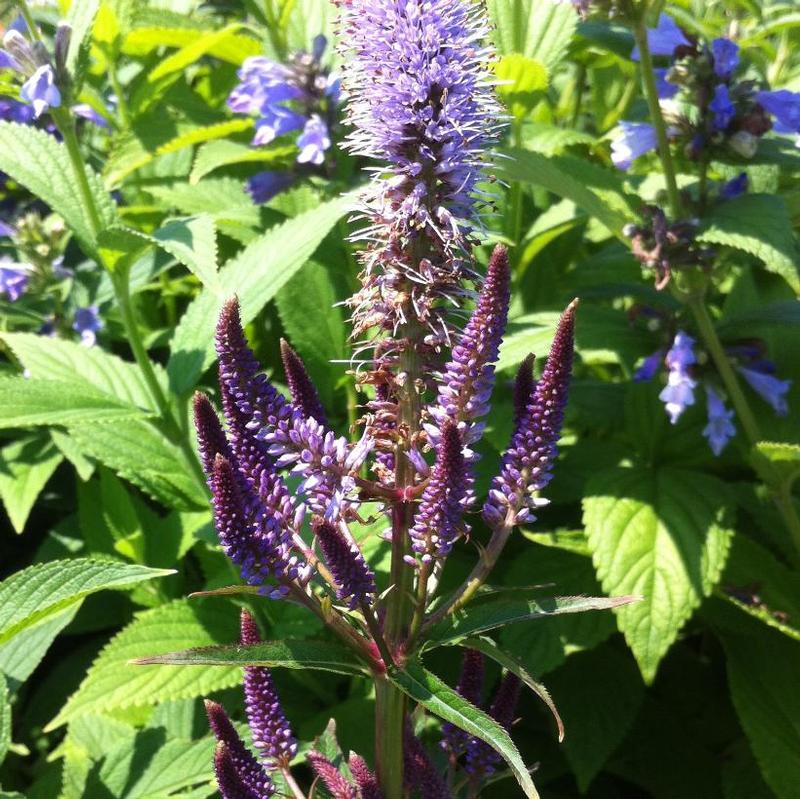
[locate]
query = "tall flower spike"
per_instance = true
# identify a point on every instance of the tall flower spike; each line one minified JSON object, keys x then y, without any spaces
{"x":418,"y":771}
{"x":252,"y":535}
{"x":338,"y":786}
{"x":438,"y":520}
{"x":527,"y":463}
{"x":238,"y":769}
{"x":466,"y":383}
{"x":470,"y":686}
{"x":272,"y":735}
{"x":421,"y":102}
{"x":365,"y":779}
{"x":481,"y":759}
{"x":523,"y":388}
{"x":304,"y":394}
{"x":355,"y":581}
{"x":211,"y":439}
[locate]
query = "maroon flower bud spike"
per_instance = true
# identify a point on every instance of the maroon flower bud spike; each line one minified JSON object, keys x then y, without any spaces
{"x":304,"y":394}
{"x":355,"y":581}
{"x":334,"y":781}
{"x":211,"y":440}
{"x":365,"y":779}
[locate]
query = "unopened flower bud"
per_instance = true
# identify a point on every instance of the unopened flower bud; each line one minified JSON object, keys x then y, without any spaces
{"x":61,"y":48}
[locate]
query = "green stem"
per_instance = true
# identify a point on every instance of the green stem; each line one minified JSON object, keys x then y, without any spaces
{"x":578,"y":88}
{"x":390,"y":712}
{"x":515,"y":195}
{"x":32,"y":26}
{"x":782,"y":497}
{"x":651,"y":94}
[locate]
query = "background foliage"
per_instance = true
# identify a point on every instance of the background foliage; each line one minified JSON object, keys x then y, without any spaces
{"x":692,"y":692}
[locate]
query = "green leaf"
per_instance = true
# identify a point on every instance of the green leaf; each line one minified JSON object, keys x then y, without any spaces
{"x":784,"y":460}
{"x":216,"y":154}
{"x":41,"y":164}
{"x":232,"y":48}
{"x":488,"y":647}
{"x":429,"y":691}
{"x":25,"y":402}
{"x":80,"y":18}
{"x":600,"y":693}
{"x":761,"y":225}
{"x":65,"y":361}
{"x":223,"y":199}
{"x":5,"y":719}
{"x":662,"y":534}
{"x":25,"y":468}
{"x":762,"y":674}
{"x":193,"y":242}
{"x":255,"y":275}
{"x":191,"y":52}
{"x":604,"y":200}
{"x":521,"y":82}
{"x":481,"y":616}
{"x":114,"y":683}
{"x":138,"y":452}
{"x":287,"y":654}
{"x":34,"y":594}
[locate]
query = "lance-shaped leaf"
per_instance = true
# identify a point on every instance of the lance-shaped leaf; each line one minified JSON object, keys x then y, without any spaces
{"x":288,"y":654}
{"x":488,"y":647}
{"x":479,"y":617}
{"x":441,"y":700}
{"x":39,"y":592}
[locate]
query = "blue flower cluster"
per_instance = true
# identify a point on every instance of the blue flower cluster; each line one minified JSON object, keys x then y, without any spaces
{"x":287,"y":98}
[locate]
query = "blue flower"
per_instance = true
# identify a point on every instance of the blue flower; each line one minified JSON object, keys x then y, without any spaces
{"x":13,"y":278}
{"x":262,"y":82}
{"x":723,"y":108}
{"x":784,"y":106}
{"x":647,"y":371}
{"x":767,"y":386}
{"x":87,"y":322}
{"x":726,"y":57}
{"x":7,"y":61}
{"x":665,"y":89}
{"x":720,"y":428}
{"x":663,"y":39}
{"x":634,"y":140}
{"x":40,"y":90}
{"x":678,"y":394}
{"x":734,"y":187}
{"x":85,"y":111}
{"x":313,"y":141}
{"x":14,"y":111}
{"x":266,"y":185}
{"x":276,"y":121}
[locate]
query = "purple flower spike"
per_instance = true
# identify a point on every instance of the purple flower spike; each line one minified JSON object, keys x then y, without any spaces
{"x":664,"y":39}
{"x":438,"y":520}
{"x":726,"y":57}
{"x":470,"y":686}
{"x":467,"y":380}
{"x":768,"y":387}
{"x":634,"y":140}
{"x":679,"y":391}
{"x":338,"y":786}
{"x":419,"y":773}
{"x":304,"y":395}
{"x":723,"y":108}
{"x":272,"y":735}
{"x":720,"y":428}
{"x":355,"y":581}
{"x":211,"y":439}
{"x":481,"y":759}
{"x":237,"y":769}
{"x":524,"y":384}
{"x":784,"y":106}
{"x":365,"y":779}
{"x":40,"y":90}
{"x":528,"y":461}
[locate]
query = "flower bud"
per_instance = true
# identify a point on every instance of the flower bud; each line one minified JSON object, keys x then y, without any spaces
{"x":743,"y":143}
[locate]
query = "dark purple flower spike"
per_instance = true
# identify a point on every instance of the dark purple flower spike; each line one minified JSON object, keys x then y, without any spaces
{"x":527,"y":463}
{"x":304,"y":394}
{"x":365,"y":779}
{"x":338,"y":786}
{"x":481,"y":759}
{"x":272,"y":735}
{"x":470,"y":686}
{"x":355,"y":581}
{"x":211,"y":440}
{"x":419,"y":772}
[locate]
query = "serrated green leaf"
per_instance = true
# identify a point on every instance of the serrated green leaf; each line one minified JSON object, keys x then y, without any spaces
{"x":5,"y":719}
{"x":25,"y":402}
{"x":41,"y":164}
{"x":783,"y":458}
{"x":68,"y":362}
{"x":216,"y":154}
{"x":113,"y":682}
{"x":759,"y":224}
{"x":429,"y":691}
{"x":521,"y":82}
{"x":190,"y":53}
{"x":287,"y":654}
{"x":604,"y":200}
{"x":25,"y":468}
{"x":68,"y":447}
{"x":662,"y":534}
{"x":80,"y":18}
{"x":255,"y":275}
{"x":488,"y":647}
{"x":223,"y":199}
{"x":233,"y":48}
{"x":32,"y":595}
{"x":193,"y":242}
{"x":141,"y":454}
{"x":762,"y":673}
{"x":482,"y":616}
